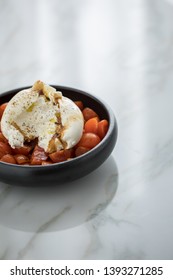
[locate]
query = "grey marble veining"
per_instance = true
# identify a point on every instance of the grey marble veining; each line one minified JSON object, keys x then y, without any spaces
{"x":121,"y":51}
{"x":57,"y":208}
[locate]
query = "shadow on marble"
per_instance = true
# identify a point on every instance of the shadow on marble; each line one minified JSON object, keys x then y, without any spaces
{"x":53,"y":209}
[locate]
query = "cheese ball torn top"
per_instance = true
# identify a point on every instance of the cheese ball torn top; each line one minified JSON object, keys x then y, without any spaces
{"x":42,"y":113}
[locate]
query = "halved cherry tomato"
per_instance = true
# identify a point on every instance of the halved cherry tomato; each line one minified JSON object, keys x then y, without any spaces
{"x":2,"y":108}
{"x":25,"y":150}
{"x":80,"y":151}
{"x":102,"y":128}
{"x":79,"y":104}
{"x":89,"y":140}
{"x":38,"y":156}
{"x":21,"y":159}
{"x":46,"y":162}
{"x":2,"y":138}
{"x":4,"y":149}
{"x":91,"y":125}
{"x":8,"y":158}
{"x":61,"y":155}
{"x":88,"y":113}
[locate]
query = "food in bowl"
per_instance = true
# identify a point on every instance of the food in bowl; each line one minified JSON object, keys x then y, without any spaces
{"x":39,"y":126}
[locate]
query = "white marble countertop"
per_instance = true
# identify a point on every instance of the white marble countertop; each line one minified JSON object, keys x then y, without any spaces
{"x":122,"y":52}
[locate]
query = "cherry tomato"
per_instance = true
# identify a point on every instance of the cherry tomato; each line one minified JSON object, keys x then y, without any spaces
{"x":2,"y":108}
{"x":2,"y":138}
{"x":25,"y":150}
{"x":91,"y":125}
{"x":89,"y":140}
{"x":102,"y":128}
{"x":88,"y":113}
{"x":5,"y":149}
{"x":81,"y":150}
{"x":21,"y":159}
{"x":61,"y":155}
{"x":38,"y":156}
{"x":79,"y":104}
{"x":46,"y":162}
{"x":8,"y":158}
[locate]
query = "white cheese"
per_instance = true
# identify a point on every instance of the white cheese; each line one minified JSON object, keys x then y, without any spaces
{"x":43,"y":113}
{"x":72,"y":121}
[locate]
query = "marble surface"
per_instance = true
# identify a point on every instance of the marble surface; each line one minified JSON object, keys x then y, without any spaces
{"x":120,"y":51}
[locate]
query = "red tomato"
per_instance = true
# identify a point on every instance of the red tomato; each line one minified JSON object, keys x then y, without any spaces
{"x":21,"y":159}
{"x":81,"y":150}
{"x":2,"y":108}
{"x":25,"y":150}
{"x":79,"y":104}
{"x":5,"y":149}
{"x":2,"y":138}
{"x":91,"y":125}
{"x":8,"y":158}
{"x":60,"y":156}
{"x":89,"y":140}
{"x":46,"y":162}
{"x":88,"y":113}
{"x":38,"y":156}
{"x":102,"y":128}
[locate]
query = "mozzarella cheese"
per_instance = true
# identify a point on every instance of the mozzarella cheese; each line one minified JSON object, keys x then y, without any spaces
{"x":42,"y":113}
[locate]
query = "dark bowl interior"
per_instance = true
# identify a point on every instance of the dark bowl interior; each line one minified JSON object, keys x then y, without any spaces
{"x":70,"y":170}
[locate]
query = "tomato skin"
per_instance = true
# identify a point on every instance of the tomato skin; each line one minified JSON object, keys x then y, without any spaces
{"x":5,"y":149}
{"x":2,"y":108}
{"x":81,"y":150}
{"x":79,"y":104}
{"x":2,"y":138}
{"x":25,"y":150}
{"x":46,"y":162}
{"x":88,"y":113}
{"x":21,"y":159}
{"x":103,"y":128}
{"x":89,"y":140}
{"x":38,"y":156}
{"x":91,"y":125}
{"x":8,"y":159}
{"x":61,"y":155}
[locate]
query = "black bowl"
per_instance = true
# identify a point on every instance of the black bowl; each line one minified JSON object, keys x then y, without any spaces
{"x":69,"y":170}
